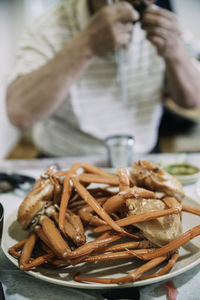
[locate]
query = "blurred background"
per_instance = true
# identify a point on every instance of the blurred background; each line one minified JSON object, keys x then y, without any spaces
{"x":16,"y":14}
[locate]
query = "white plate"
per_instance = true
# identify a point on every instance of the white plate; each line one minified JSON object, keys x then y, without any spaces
{"x":197,"y":188}
{"x":189,"y":257}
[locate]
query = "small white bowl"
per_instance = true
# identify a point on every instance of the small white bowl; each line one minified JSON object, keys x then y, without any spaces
{"x":187,"y":178}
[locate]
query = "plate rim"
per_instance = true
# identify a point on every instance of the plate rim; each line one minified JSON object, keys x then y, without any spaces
{"x":97,"y":286}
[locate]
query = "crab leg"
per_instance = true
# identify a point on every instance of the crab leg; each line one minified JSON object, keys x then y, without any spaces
{"x":64,"y":202}
{"x":64,"y":262}
{"x":60,"y":262}
{"x":60,"y":247}
{"x":13,"y":250}
{"x":27,"y":250}
{"x":116,"y":255}
{"x":101,"y":192}
{"x":82,"y":206}
{"x":57,"y":190}
{"x":103,"y":257}
{"x":175,"y":244}
{"x":115,"y":216}
{"x":73,"y":169}
{"x":95,"y":205}
{"x":73,"y":226}
{"x":129,"y":245}
{"x":190,"y":209}
{"x":171,"y":262}
{"x":81,"y":203}
{"x":95,"y":170}
{"x":93,"y":178}
{"x":87,"y":167}
{"x":89,"y":247}
{"x":171,"y":202}
{"x":141,"y":192}
{"x":89,"y":218}
{"x":75,"y":205}
{"x":77,"y":233}
{"x":38,"y":261}
{"x":98,"y":193}
{"x":77,"y":256}
{"x":142,"y":217}
{"x":42,"y":236}
{"x":131,"y":277}
{"x":115,"y":202}
{"x":75,"y":220}
{"x":86,"y":215}
{"x":124,"y":182}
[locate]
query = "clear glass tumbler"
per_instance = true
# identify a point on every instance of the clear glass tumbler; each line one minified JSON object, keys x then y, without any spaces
{"x":120,"y":150}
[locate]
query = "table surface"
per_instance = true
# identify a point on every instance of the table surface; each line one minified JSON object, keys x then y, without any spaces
{"x":21,"y":286}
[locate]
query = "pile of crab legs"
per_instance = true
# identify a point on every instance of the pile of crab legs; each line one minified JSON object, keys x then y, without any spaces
{"x":63,"y":205}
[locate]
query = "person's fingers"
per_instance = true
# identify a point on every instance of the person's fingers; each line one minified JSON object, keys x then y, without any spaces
{"x":152,"y":20}
{"x":124,"y":12}
{"x":161,"y":30}
{"x":122,"y":34}
{"x":111,"y":27}
{"x":158,"y":31}
{"x":158,"y":41}
{"x":123,"y":27}
{"x":154,"y":17}
{"x":161,"y":12}
{"x":127,"y":27}
{"x":123,"y":39}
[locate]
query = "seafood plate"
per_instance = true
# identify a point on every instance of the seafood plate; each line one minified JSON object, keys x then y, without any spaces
{"x":132,"y":216}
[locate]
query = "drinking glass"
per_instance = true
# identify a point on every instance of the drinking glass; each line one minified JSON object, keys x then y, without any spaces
{"x":120,"y":150}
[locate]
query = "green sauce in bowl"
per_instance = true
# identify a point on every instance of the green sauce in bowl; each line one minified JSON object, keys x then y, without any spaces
{"x":181,"y":169}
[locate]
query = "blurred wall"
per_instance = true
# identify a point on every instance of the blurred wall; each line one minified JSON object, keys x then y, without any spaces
{"x":6,"y":54}
{"x":15,"y":14}
{"x":189,"y":14}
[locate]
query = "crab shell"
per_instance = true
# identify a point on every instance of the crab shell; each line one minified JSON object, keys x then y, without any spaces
{"x":159,"y":231}
{"x":35,"y":201}
{"x":151,"y":176}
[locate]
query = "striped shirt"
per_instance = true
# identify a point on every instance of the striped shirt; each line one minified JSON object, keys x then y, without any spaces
{"x":94,"y":110}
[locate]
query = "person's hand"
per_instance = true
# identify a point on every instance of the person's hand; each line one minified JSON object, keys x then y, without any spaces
{"x":111,"y":27}
{"x":163,"y":31}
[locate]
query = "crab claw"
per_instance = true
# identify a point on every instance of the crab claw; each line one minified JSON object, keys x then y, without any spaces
{"x":36,"y":200}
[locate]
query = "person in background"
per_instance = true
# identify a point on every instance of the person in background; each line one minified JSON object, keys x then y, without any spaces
{"x":65,"y":82}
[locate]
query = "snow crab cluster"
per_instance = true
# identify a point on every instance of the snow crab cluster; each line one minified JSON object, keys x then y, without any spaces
{"x":132,"y":215}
